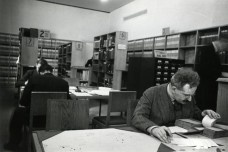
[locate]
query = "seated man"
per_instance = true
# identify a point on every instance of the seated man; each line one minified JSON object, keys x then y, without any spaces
{"x":46,"y":81}
{"x":161,"y":105}
{"x":30,"y":73}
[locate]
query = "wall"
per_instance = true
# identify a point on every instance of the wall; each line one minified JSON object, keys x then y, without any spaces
{"x":64,"y":22}
{"x":179,"y":15}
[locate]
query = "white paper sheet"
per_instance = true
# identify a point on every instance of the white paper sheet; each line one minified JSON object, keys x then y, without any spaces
{"x":174,"y":129}
{"x":80,"y":93}
{"x":198,"y":143}
{"x":100,"y":140}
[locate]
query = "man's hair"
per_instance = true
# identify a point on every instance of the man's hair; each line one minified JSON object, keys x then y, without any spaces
{"x":46,"y":67}
{"x":185,"y":76}
{"x":42,"y":61}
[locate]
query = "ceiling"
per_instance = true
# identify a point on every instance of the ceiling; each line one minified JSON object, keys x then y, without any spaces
{"x":96,"y":5}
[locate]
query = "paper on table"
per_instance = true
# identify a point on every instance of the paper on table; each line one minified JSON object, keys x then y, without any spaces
{"x":104,"y":88}
{"x":72,"y":88}
{"x":174,"y":129}
{"x":100,"y":140}
{"x":80,"y":93}
{"x":194,"y":142}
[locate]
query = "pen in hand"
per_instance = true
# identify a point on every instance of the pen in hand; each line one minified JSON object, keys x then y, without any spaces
{"x":162,"y":133}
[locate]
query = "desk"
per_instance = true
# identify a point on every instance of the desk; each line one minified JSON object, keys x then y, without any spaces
{"x":85,"y":95}
{"x":122,"y":139}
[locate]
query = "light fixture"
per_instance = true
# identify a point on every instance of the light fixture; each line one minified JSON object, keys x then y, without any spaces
{"x":103,"y":0}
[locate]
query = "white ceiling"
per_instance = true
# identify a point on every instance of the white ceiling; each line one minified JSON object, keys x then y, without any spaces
{"x":97,"y":5}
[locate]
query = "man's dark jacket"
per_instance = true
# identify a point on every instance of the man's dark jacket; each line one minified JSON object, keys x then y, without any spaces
{"x":46,"y":82}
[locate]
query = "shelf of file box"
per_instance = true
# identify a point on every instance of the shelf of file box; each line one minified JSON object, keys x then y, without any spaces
{"x":188,"y":39}
{"x":172,"y":41}
{"x":159,"y":42}
{"x":148,"y":44}
{"x":9,"y":50}
{"x":206,"y":36}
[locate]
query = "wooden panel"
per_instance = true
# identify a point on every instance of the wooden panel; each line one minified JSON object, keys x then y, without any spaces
{"x":120,"y":59}
{"x":118,"y":100}
{"x":39,"y":101}
{"x":222,"y":101}
{"x":67,"y":114}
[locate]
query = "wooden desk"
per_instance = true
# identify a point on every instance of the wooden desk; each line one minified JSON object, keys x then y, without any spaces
{"x":85,"y":95}
{"x":117,"y":141}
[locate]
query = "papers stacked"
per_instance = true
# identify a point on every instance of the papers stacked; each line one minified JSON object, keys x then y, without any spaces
{"x":198,"y":143}
{"x":100,"y":92}
{"x":79,"y":93}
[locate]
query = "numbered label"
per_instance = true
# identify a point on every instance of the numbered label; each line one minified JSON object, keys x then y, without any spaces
{"x":44,"y":34}
{"x":29,"y":42}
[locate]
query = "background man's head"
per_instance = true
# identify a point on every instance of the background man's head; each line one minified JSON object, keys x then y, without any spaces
{"x":46,"y":68}
{"x":40,"y":62}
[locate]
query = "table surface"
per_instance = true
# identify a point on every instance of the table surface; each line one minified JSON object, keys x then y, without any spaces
{"x":85,"y":91}
{"x":39,"y":136}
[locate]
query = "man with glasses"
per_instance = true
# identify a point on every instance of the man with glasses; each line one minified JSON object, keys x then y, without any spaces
{"x":161,"y":105}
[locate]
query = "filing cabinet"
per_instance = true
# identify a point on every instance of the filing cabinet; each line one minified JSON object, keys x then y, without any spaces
{"x":144,"y":72}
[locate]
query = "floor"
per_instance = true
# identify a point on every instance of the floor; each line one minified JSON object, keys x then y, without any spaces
{"x":8,"y":102}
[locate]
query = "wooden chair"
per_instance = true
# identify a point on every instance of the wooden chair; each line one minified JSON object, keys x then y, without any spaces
{"x":118,"y":101}
{"x":130,"y":110}
{"x":38,"y":107}
{"x":72,"y":81}
{"x":67,"y":114}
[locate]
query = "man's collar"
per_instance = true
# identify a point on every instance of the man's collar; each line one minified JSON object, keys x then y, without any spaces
{"x":169,"y":92}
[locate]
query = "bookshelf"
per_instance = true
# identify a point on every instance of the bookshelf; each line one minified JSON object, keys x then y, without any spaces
{"x":64,"y":60}
{"x":82,"y":74}
{"x":70,"y":60}
{"x":186,"y":45}
{"x":109,"y":59}
{"x":9,"y":51}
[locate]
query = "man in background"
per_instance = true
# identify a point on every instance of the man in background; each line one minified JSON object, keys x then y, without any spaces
{"x":45,"y":81}
{"x":30,"y":73}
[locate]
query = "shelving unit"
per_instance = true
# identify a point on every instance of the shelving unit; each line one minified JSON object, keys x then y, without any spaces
{"x":196,"y":49}
{"x":70,"y":55}
{"x":82,"y":73}
{"x":64,"y":61}
{"x":9,"y":51}
{"x":109,"y":59}
{"x":144,"y":72}
{"x":185,"y":45}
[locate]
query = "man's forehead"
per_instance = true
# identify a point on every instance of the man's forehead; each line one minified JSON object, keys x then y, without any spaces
{"x":188,"y":89}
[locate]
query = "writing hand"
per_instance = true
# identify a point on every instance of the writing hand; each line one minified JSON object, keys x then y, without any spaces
{"x":162,"y":133}
{"x":211,"y":114}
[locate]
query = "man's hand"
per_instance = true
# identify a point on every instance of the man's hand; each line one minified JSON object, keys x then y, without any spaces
{"x":162,"y":133}
{"x":211,"y":114}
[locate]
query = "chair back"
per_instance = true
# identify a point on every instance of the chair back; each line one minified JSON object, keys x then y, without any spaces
{"x":130,"y":110}
{"x":118,"y":100}
{"x":72,"y":81}
{"x":38,"y":105}
{"x":65,"y":114}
